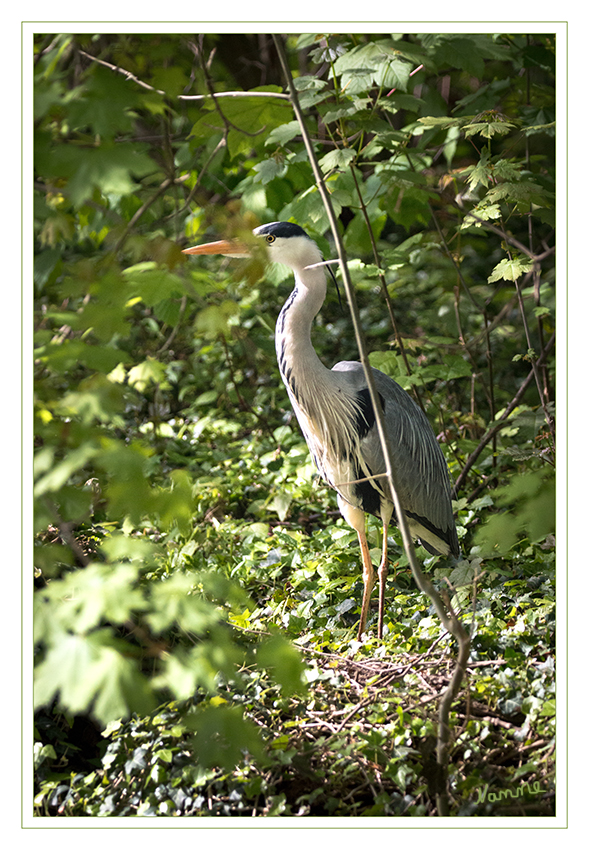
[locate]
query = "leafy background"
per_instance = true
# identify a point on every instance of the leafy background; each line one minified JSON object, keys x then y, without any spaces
{"x":195,"y":589}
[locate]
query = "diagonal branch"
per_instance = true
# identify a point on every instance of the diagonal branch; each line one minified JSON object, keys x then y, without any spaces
{"x":501,"y":422}
{"x":127,"y":74}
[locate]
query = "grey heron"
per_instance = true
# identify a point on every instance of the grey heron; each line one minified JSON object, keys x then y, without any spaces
{"x":336,"y":416}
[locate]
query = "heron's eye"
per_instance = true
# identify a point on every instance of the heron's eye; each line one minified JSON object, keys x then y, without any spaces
{"x":270,"y":239}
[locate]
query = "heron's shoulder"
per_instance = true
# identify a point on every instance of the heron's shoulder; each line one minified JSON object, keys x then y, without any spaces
{"x":348,"y":366}
{"x":353,"y":373}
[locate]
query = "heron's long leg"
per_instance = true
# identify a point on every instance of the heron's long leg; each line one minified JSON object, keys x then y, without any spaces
{"x":383,"y":572}
{"x":369,"y":577}
{"x":357,"y":519}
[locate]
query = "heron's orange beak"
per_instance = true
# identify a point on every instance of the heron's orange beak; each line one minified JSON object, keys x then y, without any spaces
{"x":225,"y":247}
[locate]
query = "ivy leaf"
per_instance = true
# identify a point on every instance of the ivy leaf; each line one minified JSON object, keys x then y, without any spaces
{"x":281,"y":503}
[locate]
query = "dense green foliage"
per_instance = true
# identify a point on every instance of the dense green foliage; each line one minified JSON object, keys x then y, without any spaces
{"x":196,"y":591}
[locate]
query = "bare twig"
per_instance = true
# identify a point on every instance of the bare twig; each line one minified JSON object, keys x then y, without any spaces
{"x":220,"y":144}
{"x":383,"y":285}
{"x":511,"y":240}
{"x":169,"y":181}
{"x":273,"y":94}
{"x":127,"y":74}
{"x":176,"y":327}
{"x":502,"y":421}
{"x":188,"y":97}
{"x":65,"y":532}
{"x":543,"y":401}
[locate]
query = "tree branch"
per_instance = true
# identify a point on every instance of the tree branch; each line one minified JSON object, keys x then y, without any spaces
{"x":279,"y":95}
{"x":196,"y":97}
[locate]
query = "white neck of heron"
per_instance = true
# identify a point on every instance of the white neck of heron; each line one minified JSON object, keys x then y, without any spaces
{"x":300,"y":367}
{"x":323,"y":405}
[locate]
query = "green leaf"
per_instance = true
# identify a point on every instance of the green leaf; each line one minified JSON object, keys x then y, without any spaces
{"x":524,"y":192}
{"x":467,"y":52}
{"x":464,"y":574}
{"x":530,"y":501}
{"x":268,"y":169}
{"x":284,"y":662}
{"x":481,"y":213}
{"x":90,"y":675}
{"x":442,"y":122}
{"x":61,"y":473}
{"x":284,"y":133}
{"x":64,"y":355}
{"x":104,"y":104}
{"x":339,"y":158}
{"x":481,"y":173}
{"x":510,"y":269}
{"x":97,"y":399}
{"x":110,"y":168}
{"x":372,"y":64}
{"x":217,"y":319}
{"x":176,"y":600}
{"x":223,"y":736}
{"x":151,"y":371}
{"x":251,"y":119}
{"x":171,"y":80}
{"x":47,"y":265}
{"x":98,"y":593}
{"x":152,"y":284}
{"x":488,"y":129}
{"x":127,"y":489}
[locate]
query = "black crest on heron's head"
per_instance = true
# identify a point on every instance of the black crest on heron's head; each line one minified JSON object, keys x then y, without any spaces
{"x":284,"y":229}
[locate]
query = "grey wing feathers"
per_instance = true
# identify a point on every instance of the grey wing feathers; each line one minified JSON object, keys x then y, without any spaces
{"x":420,"y":467}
